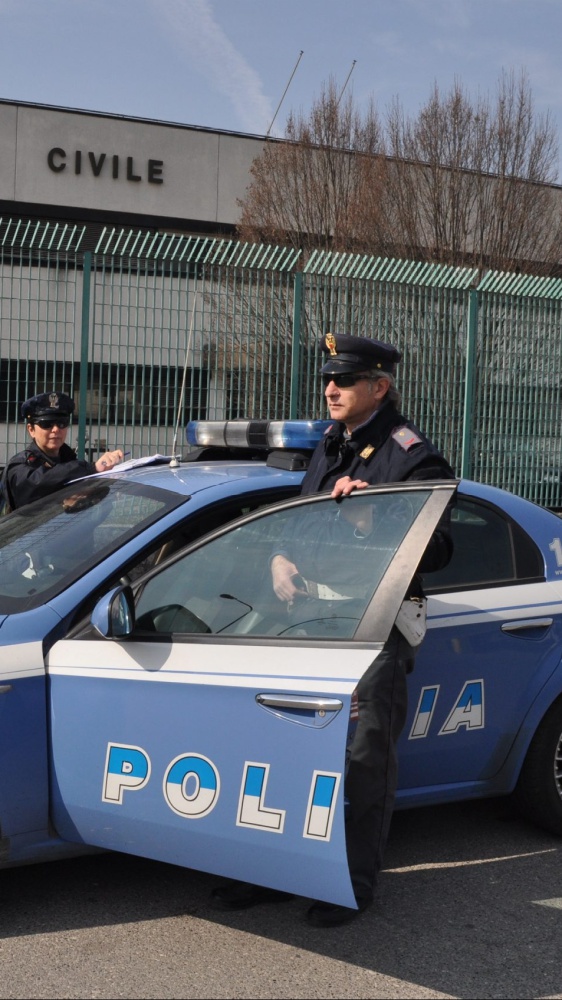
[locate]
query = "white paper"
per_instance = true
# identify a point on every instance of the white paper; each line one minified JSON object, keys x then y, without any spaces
{"x":132,"y":463}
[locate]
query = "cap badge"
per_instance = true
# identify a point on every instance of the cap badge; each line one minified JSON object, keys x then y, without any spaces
{"x":331,"y":344}
{"x":53,"y":400}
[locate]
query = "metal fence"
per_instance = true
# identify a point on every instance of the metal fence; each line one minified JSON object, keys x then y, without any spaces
{"x":150,"y":330}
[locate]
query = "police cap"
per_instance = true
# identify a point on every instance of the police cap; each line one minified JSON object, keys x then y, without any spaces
{"x":47,"y":404}
{"x":351,"y":354}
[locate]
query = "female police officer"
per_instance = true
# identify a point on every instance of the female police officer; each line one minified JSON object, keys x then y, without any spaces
{"x":48,"y":462}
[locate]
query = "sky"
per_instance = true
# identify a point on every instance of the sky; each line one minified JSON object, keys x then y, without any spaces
{"x":227,"y":64}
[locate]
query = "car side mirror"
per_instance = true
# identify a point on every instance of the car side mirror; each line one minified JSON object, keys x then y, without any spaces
{"x":114,"y":615}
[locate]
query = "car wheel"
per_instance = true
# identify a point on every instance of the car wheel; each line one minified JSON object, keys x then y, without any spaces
{"x":538,"y":794}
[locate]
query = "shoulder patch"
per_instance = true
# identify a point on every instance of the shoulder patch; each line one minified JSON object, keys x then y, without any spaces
{"x":406,"y":437}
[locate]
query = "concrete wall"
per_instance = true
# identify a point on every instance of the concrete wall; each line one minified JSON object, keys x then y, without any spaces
{"x":84,"y":161}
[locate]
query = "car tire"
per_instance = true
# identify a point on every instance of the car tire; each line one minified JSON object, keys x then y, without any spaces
{"x":538,"y":794}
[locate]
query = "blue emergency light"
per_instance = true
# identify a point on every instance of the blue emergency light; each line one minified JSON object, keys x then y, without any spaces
{"x":266,"y":435}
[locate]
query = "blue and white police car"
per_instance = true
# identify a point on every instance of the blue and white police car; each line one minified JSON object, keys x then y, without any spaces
{"x":155,"y":698}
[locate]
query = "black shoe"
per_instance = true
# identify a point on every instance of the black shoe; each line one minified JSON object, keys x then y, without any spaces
{"x":244,"y":895}
{"x":331,"y":915}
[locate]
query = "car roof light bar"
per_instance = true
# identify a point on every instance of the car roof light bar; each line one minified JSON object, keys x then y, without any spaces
{"x":257,"y":434}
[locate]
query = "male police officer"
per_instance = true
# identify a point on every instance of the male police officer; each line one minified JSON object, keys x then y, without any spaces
{"x":369,"y":442}
{"x":48,"y":462}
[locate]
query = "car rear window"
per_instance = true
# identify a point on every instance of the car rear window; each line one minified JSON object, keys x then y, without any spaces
{"x":489,"y":549}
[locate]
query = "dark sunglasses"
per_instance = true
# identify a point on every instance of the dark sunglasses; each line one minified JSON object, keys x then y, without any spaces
{"x":45,"y":423}
{"x":344,"y":381}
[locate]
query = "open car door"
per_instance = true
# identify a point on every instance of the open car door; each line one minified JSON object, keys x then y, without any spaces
{"x":198,"y":720}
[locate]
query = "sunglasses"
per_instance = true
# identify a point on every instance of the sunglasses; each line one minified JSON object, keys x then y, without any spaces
{"x":344,"y":381}
{"x":46,"y":423}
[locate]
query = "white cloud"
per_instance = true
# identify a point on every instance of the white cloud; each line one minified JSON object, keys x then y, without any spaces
{"x":195,"y":30}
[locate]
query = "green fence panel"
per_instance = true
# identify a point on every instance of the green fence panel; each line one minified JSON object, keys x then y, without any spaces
{"x":518,"y":411}
{"x":40,"y":295}
{"x":150,"y":330}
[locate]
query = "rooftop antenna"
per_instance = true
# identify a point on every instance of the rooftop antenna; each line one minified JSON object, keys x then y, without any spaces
{"x":347,"y":81}
{"x":174,"y":462}
{"x":284,"y":92}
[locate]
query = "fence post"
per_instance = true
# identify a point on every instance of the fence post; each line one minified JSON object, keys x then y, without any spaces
{"x":84,"y":352}
{"x":468,"y":415}
{"x":295,"y":348}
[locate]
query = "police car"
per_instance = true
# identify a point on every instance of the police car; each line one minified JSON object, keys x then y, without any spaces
{"x":156,"y":700}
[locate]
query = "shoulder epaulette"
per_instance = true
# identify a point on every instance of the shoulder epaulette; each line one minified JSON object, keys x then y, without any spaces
{"x":406,"y":437}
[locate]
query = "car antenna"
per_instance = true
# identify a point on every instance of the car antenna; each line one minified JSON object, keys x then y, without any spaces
{"x":174,"y":462}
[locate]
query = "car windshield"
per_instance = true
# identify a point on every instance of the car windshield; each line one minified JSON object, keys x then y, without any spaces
{"x":47,"y":545}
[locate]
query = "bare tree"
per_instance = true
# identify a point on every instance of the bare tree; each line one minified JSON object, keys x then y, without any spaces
{"x":472,"y":182}
{"x":307,"y":188}
{"x":463,"y":182}
{"x":308,"y":191}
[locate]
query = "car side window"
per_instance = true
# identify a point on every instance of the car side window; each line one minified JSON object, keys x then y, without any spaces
{"x":201,"y":524}
{"x":489,"y":550}
{"x":187,"y":531}
{"x":225,"y":585}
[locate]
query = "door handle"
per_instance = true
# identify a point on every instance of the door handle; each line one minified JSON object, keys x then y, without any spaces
{"x":4,"y":688}
{"x":525,"y":624}
{"x":303,"y":702}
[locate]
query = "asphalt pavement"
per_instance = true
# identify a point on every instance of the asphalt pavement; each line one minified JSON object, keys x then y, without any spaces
{"x":469,"y":905}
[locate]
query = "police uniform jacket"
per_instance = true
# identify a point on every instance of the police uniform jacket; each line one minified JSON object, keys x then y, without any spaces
{"x":32,"y":474}
{"x":388,"y":448}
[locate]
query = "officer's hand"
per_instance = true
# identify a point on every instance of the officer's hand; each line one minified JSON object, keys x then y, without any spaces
{"x":108,"y":460}
{"x":346,"y":485}
{"x":282,"y":573}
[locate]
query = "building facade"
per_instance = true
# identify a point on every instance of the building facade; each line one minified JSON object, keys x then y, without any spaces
{"x":67,"y":179}
{"x":102,"y":169}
